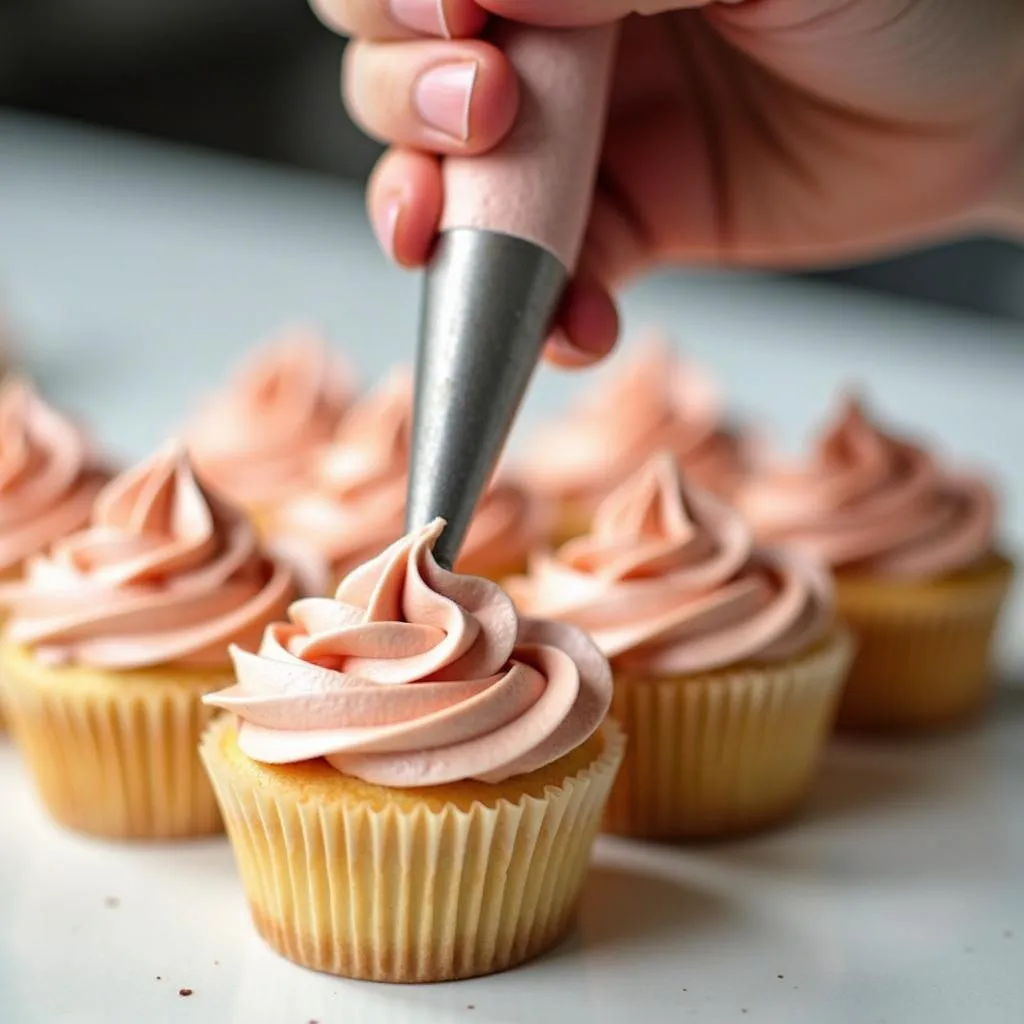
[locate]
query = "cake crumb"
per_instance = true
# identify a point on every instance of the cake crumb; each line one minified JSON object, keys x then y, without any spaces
{"x":184,"y":991}
{"x":159,"y":977}
{"x":470,"y":1006}
{"x":780,"y":976}
{"x":112,"y":901}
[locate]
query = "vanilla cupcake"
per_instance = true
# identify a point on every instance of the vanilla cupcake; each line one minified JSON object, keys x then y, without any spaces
{"x":727,"y":659}
{"x":650,"y":402}
{"x":48,"y":478}
{"x":412,"y":776}
{"x":257,"y":441}
{"x":919,"y":575}
{"x":355,"y":506}
{"x":113,"y":638}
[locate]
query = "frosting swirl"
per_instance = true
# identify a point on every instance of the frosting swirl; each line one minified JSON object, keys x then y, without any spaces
{"x":165,"y":574}
{"x":256,"y":441}
{"x":414,"y":676}
{"x":669,"y":581}
{"x":652,"y":403}
{"x":48,"y":478}
{"x":355,"y":504}
{"x":870,"y":502}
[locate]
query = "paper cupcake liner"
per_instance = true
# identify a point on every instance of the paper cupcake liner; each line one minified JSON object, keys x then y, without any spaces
{"x":413,"y":893}
{"x":923,"y":652}
{"x":724,"y":753}
{"x":115,"y":758}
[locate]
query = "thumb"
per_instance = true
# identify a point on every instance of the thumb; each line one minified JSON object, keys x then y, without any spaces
{"x":571,"y":13}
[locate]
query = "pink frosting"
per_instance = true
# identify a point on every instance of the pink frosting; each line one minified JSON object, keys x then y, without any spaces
{"x":256,"y":442}
{"x":414,"y":676}
{"x":48,"y":476}
{"x":165,"y":574}
{"x":355,"y":504}
{"x":868,"y":501}
{"x":508,"y":524}
{"x":355,"y":507}
{"x":669,"y":582}
{"x":653,"y":402}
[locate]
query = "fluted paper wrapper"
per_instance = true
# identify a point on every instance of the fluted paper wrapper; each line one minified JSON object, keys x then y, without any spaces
{"x":111,"y":755}
{"x":923,"y":652}
{"x":725,"y":753}
{"x":417,"y":893}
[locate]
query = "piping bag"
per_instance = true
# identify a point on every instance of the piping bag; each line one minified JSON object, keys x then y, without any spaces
{"x":510,"y":236}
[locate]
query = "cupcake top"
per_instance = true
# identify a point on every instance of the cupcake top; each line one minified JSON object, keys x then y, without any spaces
{"x":669,"y":581}
{"x":48,"y":475}
{"x":414,"y":676}
{"x":652,"y":402}
{"x":356,"y":505}
{"x":165,"y":573}
{"x":869,"y":502}
{"x":256,"y":440}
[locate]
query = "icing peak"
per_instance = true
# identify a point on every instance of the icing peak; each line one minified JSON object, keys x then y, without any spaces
{"x":653,"y":402}
{"x":165,"y":574}
{"x":415,"y":676}
{"x":256,"y":441}
{"x":870,"y":501}
{"x":669,"y":581}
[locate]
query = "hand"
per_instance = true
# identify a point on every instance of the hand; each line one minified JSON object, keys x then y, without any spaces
{"x":772,"y":133}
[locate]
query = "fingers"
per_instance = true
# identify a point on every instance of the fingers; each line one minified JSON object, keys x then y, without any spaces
{"x":401,"y":19}
{"x":444,"y":97}
{"x":587,"y":326}
{"x":404,"y":199}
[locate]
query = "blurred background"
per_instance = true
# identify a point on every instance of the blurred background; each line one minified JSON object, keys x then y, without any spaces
{"x":259,"y":78}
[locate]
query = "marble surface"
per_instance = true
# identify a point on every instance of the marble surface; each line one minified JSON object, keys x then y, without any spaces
{"x":136,"y":274}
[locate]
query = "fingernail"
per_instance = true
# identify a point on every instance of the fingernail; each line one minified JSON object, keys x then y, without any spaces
{"x":385,"y":225}
{"x":443,"y":96}
{"x":426,"y":16}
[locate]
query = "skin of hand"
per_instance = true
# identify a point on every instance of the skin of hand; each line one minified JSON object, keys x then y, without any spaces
{"x":771,"y":133}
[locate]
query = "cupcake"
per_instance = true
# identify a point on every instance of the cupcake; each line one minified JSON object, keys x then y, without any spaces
{"x":651,"y":402}
{"x":412,"y":776}
{"x":355,"y":507}
{"x":113,"y":638}
{"x":919,"y":576}
{"x":257,"y":441}
{"x":48,"y":477}
{"x":727,"y":659}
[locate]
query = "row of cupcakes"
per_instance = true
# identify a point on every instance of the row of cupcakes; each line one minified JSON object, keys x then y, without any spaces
{"x":912,"y":545}
{"x":415,"y":718}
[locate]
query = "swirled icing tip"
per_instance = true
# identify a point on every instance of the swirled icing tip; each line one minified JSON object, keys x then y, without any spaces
{"x":870,"y":501}
{"x":415,"y":676}
{"x":166,"y":574}
{"x":670,"y":580}
{"x":299,"y":351}
{"x":140,"y":497}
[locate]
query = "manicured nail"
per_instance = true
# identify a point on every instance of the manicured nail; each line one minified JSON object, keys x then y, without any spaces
{"x":443,"y":96}
{"x":426,"y":16}
{"x":385,"y":225}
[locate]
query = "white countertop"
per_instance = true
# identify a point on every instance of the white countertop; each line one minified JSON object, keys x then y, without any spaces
{"x":136,"y":274}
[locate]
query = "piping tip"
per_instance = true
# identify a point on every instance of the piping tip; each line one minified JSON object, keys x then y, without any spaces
{"x":488,"y":303}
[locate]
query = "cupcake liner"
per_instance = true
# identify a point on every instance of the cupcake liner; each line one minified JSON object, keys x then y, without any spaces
{"x":417,"y":891}
{"x":114,"y":754}
{"x":724,"y":753}
{"x":923,"y":651}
